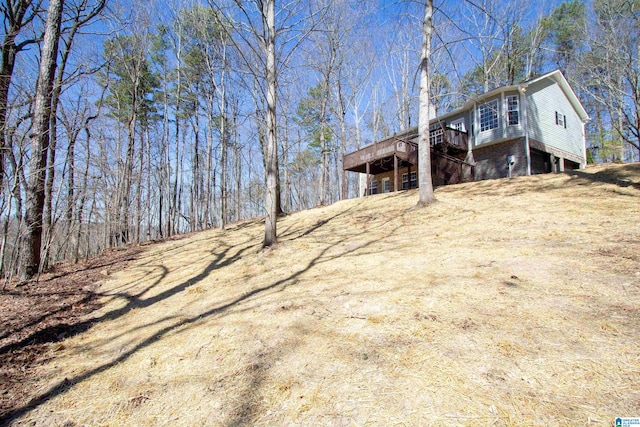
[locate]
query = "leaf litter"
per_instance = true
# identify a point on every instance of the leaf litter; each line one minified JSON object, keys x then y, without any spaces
{"x":508,"y":302}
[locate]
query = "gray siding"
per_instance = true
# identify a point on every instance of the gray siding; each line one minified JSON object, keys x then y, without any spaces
{"x":504,"y":131}
{"x":491,"y":135}
{"x":544,"y":98}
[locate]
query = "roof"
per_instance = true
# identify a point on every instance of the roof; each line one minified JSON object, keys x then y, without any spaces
{"x":555,"y":75}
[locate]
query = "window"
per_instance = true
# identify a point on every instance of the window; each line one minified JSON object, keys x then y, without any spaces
{"x":561,"y":120}
{"x":386,"y":185}
{"x":409,"y":181}
{"x":413,"y":180}
{"x":488,"y":115}
{"x":458,"y":125}
{"x":513,"y":110}
{"x":373,"y":187}
{"x":436,"y":136}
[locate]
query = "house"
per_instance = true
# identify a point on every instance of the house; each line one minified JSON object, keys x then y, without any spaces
{"x":534,"y":127}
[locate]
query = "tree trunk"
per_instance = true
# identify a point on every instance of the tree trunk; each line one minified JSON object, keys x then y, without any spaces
{"x":30,"y":259}
{"x":165,"y":169}
{"x":83,"y":196}
{"x":238,"y":165}
{"x":147,"y":140}
{"x":138,"y":220}
{"x":285,"y":153}
{"x":71,"y":185}
{"x":224,"y":142}
{"x":324,"y":176}
{"x":195,"y":187}
{"x":16,"y":12}
{"x":123,"y":226}
{"x":270,"y":232}
{"x":426,"y":195}
{"x":209,"y":163}
{"x":173,"y":217}
{"x":344,"y":189}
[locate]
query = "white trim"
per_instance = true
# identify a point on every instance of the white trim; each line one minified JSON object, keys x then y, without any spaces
{"x":584,"y":145}
{"x":517,"y":110}
{"x":384,"y":183}
{"x":503,"y":114}
{"x":460,"y":121}
{"x":522,"y":89}
{"x":555,"y":75}
{"x":490,"y":120}
{"x":373,"y":185}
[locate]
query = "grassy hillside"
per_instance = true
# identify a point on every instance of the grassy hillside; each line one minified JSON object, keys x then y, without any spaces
{"x":508,"y":303}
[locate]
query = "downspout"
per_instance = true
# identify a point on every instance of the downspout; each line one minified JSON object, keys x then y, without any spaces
{"x":470,"y":137}
{"x":584,"y":145}
{"x":522,"y":88}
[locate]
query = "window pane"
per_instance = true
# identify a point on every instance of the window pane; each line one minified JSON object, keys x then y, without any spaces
{"x":488,"y":115}
{"x":458,"y":125}
{"x":374,"y":187}
{"x":513,"y":110}
{"x":436,"y":136}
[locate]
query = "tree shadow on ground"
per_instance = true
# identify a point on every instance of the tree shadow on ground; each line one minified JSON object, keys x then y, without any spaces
{"x":66,"y":292}
{"x":222,"y":259}
{"x":622,"y":176}
{"x":46,"y":311}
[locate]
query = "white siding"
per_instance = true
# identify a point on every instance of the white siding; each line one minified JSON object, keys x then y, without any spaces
{"x":545,"y":98}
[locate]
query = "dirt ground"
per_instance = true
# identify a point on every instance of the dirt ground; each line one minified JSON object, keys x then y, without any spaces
{"x":45,"y":311}
{"x":508,"y":303}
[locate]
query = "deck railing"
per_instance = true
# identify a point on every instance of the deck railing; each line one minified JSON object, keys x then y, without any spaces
{"x":449,"y":137}
{"x":379,"y":150}
{"x":405,"y":148}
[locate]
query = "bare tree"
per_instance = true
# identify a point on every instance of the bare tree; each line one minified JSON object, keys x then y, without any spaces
{"x":269,"y":42}
{"x":31,"y":259}
{"x":16,"y":14}
{"x":81,"y":14}
{"x":426,"y":195}
{"x":400,"y":72}
{"x":613,"y":69}
{"x":257,"y":23}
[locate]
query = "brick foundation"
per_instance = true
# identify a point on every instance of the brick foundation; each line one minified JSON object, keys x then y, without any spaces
{"x":491,"y":162}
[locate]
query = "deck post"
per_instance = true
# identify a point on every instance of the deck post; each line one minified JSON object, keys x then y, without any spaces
{"x":395,"y":173}
{"x":366,"y":188}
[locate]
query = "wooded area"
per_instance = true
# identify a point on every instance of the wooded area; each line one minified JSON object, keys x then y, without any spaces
{"x":123,"y":122}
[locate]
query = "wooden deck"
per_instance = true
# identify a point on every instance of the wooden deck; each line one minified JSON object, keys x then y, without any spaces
{"x":403,"y":148}
{"x":448,"y":149}
{"x":449,"y":138}
{"x":376,"y":153}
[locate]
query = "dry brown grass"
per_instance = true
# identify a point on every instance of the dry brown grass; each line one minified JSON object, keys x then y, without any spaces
{"x":508,"y":303}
